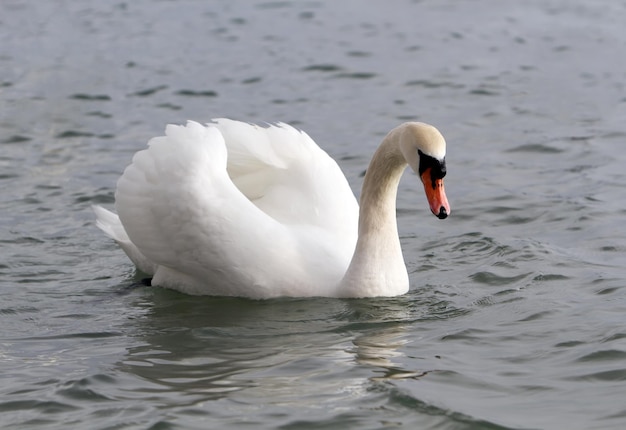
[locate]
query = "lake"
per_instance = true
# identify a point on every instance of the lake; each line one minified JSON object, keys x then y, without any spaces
{"x":516,"y":317}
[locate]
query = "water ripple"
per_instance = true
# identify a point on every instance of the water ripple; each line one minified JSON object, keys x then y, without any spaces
{"x":16,"y":139}
{"x":438,"y":416}
{"x":197,"y":93}
{"x":149,"y":91}
{"x":491,"y":278}
{"x":604,"y":355}
{"x":45,"y":407}
{"x":83,"y":390}
{"x":90,"y":97}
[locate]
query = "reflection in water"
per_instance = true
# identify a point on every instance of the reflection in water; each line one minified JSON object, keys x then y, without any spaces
{"x":284,"y":352}
{"x":209,"y":348}
{"x":382,"y":348}
{"x":379,"y":349}
{"x":281,"y":351}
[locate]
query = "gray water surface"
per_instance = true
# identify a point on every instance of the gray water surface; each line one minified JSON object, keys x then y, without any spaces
{"x":517,"y":309}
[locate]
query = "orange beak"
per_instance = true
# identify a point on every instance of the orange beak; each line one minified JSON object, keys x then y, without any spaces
{"x":436,"y":195}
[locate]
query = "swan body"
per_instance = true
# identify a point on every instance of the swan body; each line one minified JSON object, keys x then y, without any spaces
{"x":235,"y":209}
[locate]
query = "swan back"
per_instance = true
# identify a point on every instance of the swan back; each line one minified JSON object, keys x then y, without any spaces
{"x":237,"y":209}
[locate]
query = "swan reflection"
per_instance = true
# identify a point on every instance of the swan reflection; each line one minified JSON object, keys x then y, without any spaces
{"x":192,"y":350}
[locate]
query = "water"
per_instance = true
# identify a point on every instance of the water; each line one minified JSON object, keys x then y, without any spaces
{"x":515,"y":318}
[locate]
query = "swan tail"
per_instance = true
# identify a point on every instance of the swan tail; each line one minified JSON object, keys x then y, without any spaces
{"x":110,"y":223}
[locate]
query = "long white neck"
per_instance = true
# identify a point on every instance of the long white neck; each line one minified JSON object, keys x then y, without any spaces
{"x":377,"y":267}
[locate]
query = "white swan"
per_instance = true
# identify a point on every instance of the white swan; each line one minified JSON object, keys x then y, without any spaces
{"x":236,"y":209}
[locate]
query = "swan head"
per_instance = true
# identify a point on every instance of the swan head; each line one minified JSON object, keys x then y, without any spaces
{"x":424,"y":149}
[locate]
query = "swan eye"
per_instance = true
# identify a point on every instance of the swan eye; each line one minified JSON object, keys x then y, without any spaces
{"x":437,"y":167}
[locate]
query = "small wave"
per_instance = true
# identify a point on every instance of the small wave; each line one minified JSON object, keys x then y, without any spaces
{"x":46,"y":407}
{"x":322,"y":68}
{"x":615,"y":375}
{"x":90,"y":97}
{"x":433,"y":84}
{"x":16,"y":139}
{"x":435,"y":416}
{"x":170,"y":106}
{"x":18,"y":310}
{"x":83,"y":390}
{"x":149,"y":91}
{"x":491,"y":278}
{"x":356,"y":75}
{"x":604,"y":355}
{"x":536,"y":147}
{"x":194,"y":93}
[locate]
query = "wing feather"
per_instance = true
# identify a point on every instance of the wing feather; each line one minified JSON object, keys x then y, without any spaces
{"x":224,"y":204}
